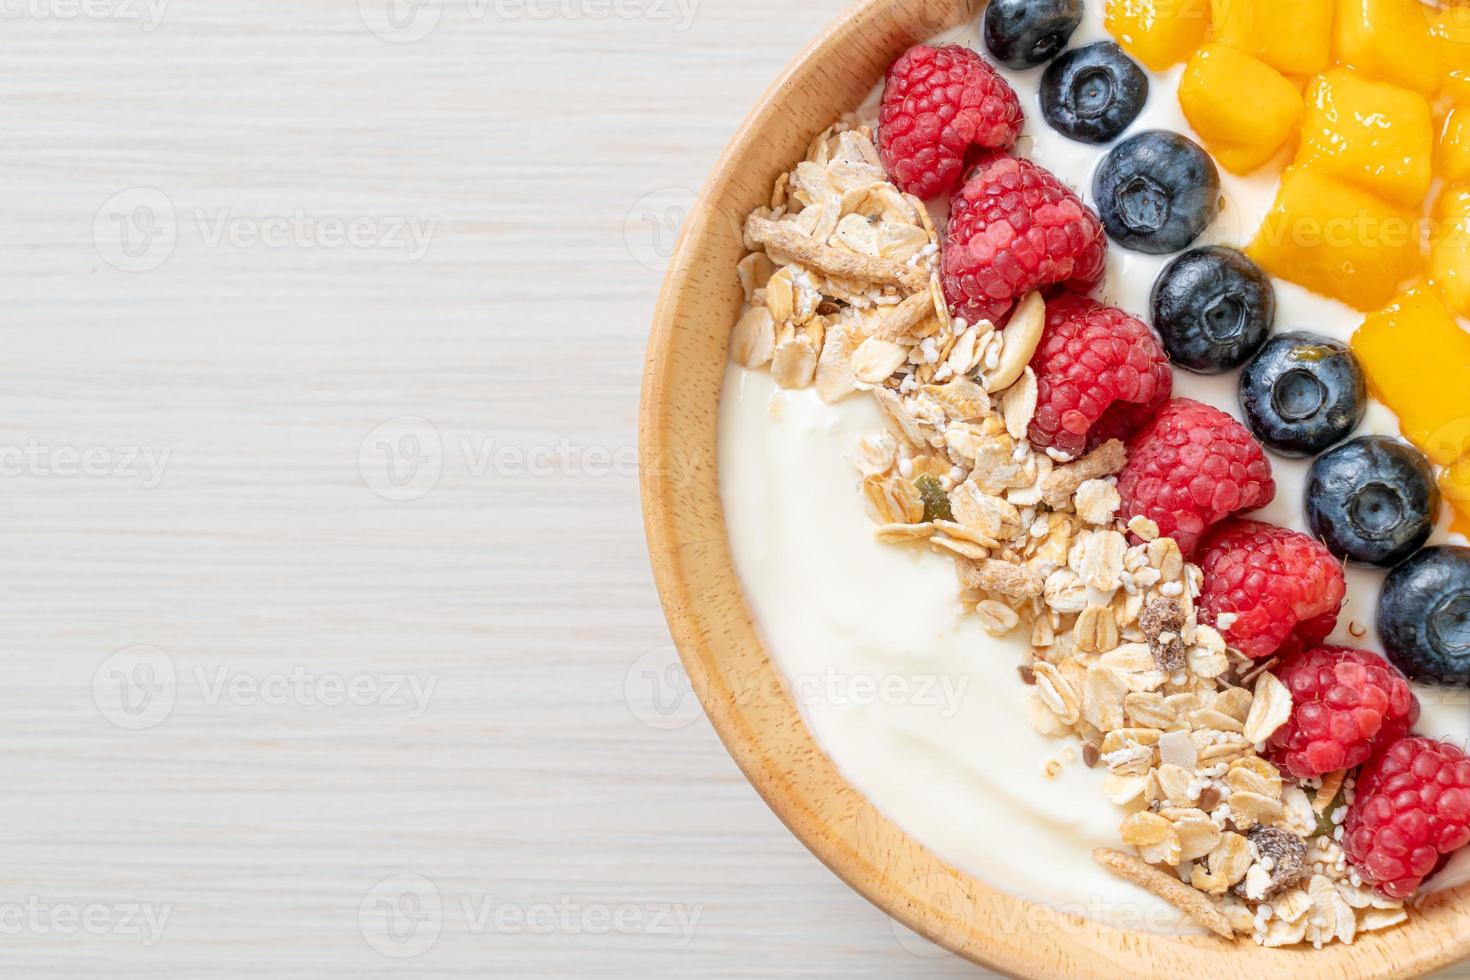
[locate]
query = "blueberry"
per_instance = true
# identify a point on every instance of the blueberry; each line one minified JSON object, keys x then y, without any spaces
{"x":1424,"y":616}
{"x":1092,"y":94}
{"x":1373,"y":500}
{"x":1214,"y":308}
{"x":1156,"y":192}
{"x":1025,"y":33}
{"x":1303,"y":393}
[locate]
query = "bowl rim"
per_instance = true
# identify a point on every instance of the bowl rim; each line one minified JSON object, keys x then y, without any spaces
{"x":729,"y":670}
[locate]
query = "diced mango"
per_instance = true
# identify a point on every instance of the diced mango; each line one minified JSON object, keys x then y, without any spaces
{"x":1449,"y":260}
{"x":1292,"y":36}
{"x":1453,"y":28}
{"x":1395,"y":40}
{"x":1417,"y":358}
{"x":1159,"y":33}
{"x":1375,"y":134}
{"x":1241,"y":158}
{"x":1452,"y":162}
{"x":1338,"y":240}
{"x":1457,"y":86}
{"x":1244,"y":109}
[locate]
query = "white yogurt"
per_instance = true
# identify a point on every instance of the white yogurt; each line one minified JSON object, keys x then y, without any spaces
{"x":946,"y":750}
{"x":932,"y":729}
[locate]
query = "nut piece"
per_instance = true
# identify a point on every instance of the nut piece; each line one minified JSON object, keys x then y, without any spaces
{"x":1022,"y":334}
{"x":1283,"y":862}
{"x":1162,"y":620}
{"x":1018,"y":404}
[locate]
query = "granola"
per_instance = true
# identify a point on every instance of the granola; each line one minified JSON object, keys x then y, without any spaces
{"x":842,"y":293}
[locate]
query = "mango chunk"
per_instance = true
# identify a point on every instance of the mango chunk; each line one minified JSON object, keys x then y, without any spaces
{"x":1452,"y":27}
{"x":1292,"y":36}
{"x":1457,"y":85}
{"x":1241,"y":107}
{"x":1159,"y":33}
{"x":1449,"y":260}
{"x":1395,"y":40}
{"x":1338,"y":240}
{"x":1452,"y":162}
{"x":1378,"y":135}
{"x":1241,"y":158}
{"x":1417,"y":358}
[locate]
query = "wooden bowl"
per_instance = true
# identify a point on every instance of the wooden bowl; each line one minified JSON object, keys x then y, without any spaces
{"x":726,"y":662}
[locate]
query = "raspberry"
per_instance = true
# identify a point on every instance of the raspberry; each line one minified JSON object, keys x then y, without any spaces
{"x":1013,"y":228}
{"x":1412,"y":808}
{"x":937,"y":103}
{"x":1191,"y":468}
{"x":1274,"y":582}
{"x":1099,"y":372}
{"x":1345,"y":703}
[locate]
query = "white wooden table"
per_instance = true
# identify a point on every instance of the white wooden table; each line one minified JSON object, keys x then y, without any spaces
{"x":332,"y":645}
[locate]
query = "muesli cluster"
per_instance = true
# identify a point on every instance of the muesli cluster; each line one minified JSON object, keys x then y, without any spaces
{"x":844,"y":295}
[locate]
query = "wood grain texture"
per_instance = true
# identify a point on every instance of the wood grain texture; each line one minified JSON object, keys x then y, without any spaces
{"x":724,"y":655}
